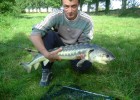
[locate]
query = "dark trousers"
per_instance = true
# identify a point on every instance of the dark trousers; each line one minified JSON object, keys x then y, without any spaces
{"x":52,"y":40}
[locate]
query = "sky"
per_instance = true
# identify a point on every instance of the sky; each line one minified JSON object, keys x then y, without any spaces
{"x":116,"y":4}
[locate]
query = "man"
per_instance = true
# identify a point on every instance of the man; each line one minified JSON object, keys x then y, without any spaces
{"x":66,"y":27}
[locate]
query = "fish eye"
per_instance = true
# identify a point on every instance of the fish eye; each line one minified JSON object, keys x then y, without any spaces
{"x":107,"y":56}
{"x":91,"y":50}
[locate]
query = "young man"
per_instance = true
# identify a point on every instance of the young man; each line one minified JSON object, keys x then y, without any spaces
{"x":66,"y":27}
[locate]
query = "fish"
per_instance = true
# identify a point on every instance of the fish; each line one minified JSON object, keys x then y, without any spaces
{"x":93,"y":53}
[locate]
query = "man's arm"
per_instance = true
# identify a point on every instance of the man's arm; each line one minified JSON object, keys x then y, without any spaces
{"x":38,"y":43}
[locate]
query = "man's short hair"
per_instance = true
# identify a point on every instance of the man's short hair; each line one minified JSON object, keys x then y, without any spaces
{"x":71,"y":0}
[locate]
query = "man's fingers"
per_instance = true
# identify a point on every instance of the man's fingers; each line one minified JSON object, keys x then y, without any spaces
{"x":54,"y":55}
{"x":81,"y":56}
{"x":57,"y":51}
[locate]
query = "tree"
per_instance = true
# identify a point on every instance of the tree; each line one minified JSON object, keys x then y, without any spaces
{"x":81,"y":4}
{"x":107,"y":6}
{"x":7,"y":6}
{"x":124,"y":5}
{"x":89,"y":3}
{"x":133,"y":3}
{"x":97,"y":6}
{"x":13,"y":1}
{"x":38,"y":3}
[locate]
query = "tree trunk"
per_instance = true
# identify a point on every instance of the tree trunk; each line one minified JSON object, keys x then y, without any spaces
{"x":107,"y":6}
{"x":97,"y":5}
{"x":88,"y":8}
{"x":81,"y":4}
{"x":80,"y":7}
{"x":47,"y":9}
{"x":124,"y":4}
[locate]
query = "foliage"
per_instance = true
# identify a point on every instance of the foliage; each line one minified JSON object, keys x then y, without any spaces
{"x":133,"y":3}
{"x":53,"y":3}
{"x":39,"y":3}
{"x":131,"y":12}
{"x":124,"y":4}
{"x":16,"y":6}
{"x":130,"y":4}
{"x":8,"y":7}
{"x":107,"y":6}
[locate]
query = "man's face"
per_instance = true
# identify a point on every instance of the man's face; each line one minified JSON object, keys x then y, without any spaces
{"x":70,"y":8}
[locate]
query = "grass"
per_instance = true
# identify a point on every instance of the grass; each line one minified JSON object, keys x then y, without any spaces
{"x":119,"y":79}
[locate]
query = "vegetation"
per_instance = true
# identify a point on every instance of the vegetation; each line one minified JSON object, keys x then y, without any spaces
{"x":16,"y":6}
{"x":135,"y":12}
{"x":119,"y":78}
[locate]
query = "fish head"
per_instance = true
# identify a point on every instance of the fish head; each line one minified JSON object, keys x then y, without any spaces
{"x":100,"y":55}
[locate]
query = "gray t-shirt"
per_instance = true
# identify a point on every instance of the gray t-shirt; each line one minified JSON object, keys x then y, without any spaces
{"x":70,"y":31}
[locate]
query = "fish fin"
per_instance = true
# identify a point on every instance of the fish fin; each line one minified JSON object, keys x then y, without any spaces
{"x":26,"y":66}
{"x":36,"y":66}
{"x":34,"y":53}
{"x":79,"y":64}
{"x":102,"y":62}
{"x":45,"y":62}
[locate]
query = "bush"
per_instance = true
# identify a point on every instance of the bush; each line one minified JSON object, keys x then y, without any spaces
{"x":7,"y":7}
{"x":132,"y":12}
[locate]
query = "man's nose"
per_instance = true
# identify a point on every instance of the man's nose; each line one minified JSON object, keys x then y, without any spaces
{"x":70,"y":9}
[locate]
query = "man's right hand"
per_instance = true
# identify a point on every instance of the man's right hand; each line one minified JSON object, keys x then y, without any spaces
{"x":53,"y":56}
{"x":38,"y":43}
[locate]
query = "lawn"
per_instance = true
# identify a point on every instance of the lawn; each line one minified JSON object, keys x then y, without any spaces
{"x":120,"y":78}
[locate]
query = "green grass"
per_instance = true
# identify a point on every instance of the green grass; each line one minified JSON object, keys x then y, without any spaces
{"x":120,"y":78}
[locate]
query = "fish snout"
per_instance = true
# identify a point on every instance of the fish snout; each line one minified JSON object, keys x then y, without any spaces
{"x":111,"y":57}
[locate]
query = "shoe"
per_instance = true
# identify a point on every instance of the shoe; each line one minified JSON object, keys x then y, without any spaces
{"x":46,"y":77}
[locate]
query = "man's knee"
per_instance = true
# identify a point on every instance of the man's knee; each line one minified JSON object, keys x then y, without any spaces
{"x":85,"y":66}
{"x":52,"y":40}
{"x":50,"y":35}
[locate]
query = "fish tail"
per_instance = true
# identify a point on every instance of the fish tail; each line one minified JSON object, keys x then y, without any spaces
{"x":26,"y":66}
{"x":36,"y":66}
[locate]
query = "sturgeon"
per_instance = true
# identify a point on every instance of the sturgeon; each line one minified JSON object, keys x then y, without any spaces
{"x":92,"y":52}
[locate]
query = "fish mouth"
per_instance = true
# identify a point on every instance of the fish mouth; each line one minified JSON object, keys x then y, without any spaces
{"x":102,"y":62}
{"x":107,"y":61}
{"x":113,"y":58}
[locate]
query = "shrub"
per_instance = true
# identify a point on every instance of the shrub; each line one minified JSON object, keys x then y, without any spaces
{"x":132,"y":12}
{"x":7,"y":7}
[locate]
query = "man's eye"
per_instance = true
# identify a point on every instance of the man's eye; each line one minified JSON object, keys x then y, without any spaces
{"x":74,"y":6}
{"x":65,"y":6}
